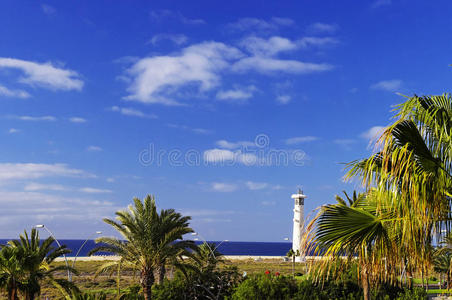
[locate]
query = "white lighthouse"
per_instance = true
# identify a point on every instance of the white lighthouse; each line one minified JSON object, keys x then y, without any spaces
{"x":298,"y":222}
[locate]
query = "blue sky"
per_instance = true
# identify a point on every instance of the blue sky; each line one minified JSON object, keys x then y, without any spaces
{"x":222,"y":110}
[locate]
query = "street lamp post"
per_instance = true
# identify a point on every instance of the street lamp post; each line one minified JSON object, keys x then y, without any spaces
{"x":59,"y":245}
{"x":204,"y":240}
{"x":80,"y":249}
{"x":223,"y":241}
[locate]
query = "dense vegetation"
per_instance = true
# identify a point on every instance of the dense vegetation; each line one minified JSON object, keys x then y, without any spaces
{"x":374,"y":243}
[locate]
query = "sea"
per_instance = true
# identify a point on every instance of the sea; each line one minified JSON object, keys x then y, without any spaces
{"x":226,"y":248}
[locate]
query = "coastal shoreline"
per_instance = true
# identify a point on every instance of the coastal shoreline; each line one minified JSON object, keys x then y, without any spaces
{"x":228,"y":257}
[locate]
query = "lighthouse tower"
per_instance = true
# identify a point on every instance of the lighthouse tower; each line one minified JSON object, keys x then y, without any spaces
{"x":298,"y":222}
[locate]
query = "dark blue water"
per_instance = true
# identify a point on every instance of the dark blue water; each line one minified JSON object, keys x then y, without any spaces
{"x":226,"y":248}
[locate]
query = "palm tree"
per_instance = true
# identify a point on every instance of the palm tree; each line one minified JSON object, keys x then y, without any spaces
{"x":292,"y":254}
{"x":206,"y":257}
{"x":442,"y":263}
{"x":411,"y":178}
{"x":412,"y":170}
{"x":355,"y":230}
{"x":11,"y":272}
{"x":151,"y":240}
{"x":36,"y":260}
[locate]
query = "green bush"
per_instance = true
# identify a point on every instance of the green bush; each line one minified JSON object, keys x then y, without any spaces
{"x":307,"y":290}
{"x":175,"y":289}
{"x":413,"y":294}
{"x":88,"y":296}
{"x":211,"y":284}
{"x":266,"y":287}
{"x":269,"y":287}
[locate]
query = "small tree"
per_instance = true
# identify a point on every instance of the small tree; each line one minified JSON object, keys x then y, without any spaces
{"x":151,"y":240}
{"x":35,"y":261}
{"x":292,"y":254}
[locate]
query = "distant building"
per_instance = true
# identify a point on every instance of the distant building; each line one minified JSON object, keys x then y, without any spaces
{"x":298,"y":222}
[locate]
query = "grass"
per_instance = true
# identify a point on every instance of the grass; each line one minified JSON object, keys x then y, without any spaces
{"x":439,"y":291}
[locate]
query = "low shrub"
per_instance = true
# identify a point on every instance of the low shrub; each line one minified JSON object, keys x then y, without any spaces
{"x":413,"y":294}
{"x":266,"y":286}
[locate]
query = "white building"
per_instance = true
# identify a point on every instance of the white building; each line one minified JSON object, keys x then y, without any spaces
{"x":298,"y":222}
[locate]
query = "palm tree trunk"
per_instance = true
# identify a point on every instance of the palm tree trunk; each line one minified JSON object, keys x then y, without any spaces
{"x":147,"y":280}
{"x":448,"y":280}
{"x":12,"y":291}
{"x":162,"y":273}
{"x":365,"y":283}
{"x":422,"y":277}
{"x":159,"y":273}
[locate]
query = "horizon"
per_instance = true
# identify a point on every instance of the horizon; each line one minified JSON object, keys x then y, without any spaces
{"x":222,"y":111}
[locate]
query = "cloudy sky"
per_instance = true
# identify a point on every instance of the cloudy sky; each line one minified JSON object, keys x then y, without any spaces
{"x":221,"y":109}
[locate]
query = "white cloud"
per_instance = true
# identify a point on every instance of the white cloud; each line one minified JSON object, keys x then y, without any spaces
{"x":4,"y":91}
{"x":77,"y":120}
{"x":155,"y":79}
{"x":90,"y":190}
{"x":283,"y":99}
{"x":256,"y":185}
{"x":128,"y":111}
{"x":254,"y":24}
{"x":301,"y":139}
{"x":227,"y":157}
{"x":13,"y":130}
{"x":237,"y":94}
{"x":218,"y":155}
{"x":161,"y":79}
{"x":63,"y":213}
{"x":224,"y":187}
{"x":373,"y":132}
{"x":231,"y":145}
{"x":319,"y":27}
{"x":268,"y":203}
{"x":388,"y":85}
{"x":267,"y":47}
{"x":269,"y":65}
{"x":177,"y":39}
{"x":276,"y":44}
{"x":44,"y":75}
{"x":32,"y":187}
{"x":32,"y":118}
{"x":13,"y":171}
{"x":309,"y":41}
{"x":264,"y":51}
{"x":93,"y":148}
{"x":47,"y":9}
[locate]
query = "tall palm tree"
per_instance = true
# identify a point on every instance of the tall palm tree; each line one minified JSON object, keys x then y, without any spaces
{"x":36,"y":260}
{"x":151,"y":240}
{"x":412,"y":169}
{"x":355,"y":230}
{"x":411,"y":177}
